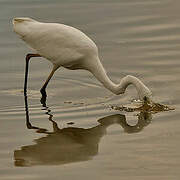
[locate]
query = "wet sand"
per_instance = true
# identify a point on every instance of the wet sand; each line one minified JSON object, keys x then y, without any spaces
{"x":77,"y":134}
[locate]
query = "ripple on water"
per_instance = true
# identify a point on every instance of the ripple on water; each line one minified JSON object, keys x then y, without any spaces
{"x":134,"y":37}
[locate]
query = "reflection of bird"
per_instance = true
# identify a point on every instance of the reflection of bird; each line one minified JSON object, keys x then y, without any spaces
{"x":70,"y":48}
{"x":71,"y":144}
{"x":63,"y":146}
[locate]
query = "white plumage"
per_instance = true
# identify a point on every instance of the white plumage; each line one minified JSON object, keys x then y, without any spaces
{"x":69,"y":47}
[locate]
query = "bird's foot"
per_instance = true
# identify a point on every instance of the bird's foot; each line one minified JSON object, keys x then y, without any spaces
{"x":43,"y":98}
{"x":43,"y":92}
{"x":29,"y":126}
{"x":43,"y":101}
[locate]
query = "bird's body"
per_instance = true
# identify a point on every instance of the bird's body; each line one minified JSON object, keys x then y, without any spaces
{"x":68,"y":47}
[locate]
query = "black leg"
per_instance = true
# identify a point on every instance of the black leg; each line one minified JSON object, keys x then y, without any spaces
{"x":26,"y":75}
{"x":28,"y":56}
{"x":28,"y":123}
{"x":43,"y":100}
{"x":43,"y":89}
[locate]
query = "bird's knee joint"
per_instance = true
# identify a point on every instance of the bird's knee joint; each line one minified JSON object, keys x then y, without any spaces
{"x":28,"y":56}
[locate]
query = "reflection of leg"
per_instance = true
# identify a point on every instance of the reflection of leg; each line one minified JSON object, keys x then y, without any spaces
{"x":28,"y":124}
{"x":55,"y":126}
{"x":28,"y":57}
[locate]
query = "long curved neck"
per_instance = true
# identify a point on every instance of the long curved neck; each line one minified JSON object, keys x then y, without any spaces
{"x":99,"y":72}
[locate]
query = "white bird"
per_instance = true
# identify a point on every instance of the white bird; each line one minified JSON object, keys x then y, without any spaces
{"x":68,"y":47}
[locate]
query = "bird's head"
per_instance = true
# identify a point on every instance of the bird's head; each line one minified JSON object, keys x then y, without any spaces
{"x":146,"y":95}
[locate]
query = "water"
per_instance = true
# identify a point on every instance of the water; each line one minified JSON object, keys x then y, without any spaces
{"x":137,"y":37}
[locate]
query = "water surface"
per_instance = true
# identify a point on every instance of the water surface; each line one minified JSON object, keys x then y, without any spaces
{"x":77,"y":134}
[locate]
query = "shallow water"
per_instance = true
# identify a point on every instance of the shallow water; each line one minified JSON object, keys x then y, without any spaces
{"x":138,"y":37}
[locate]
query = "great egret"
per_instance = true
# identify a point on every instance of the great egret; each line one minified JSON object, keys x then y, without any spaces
{"x":70,"y":48}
